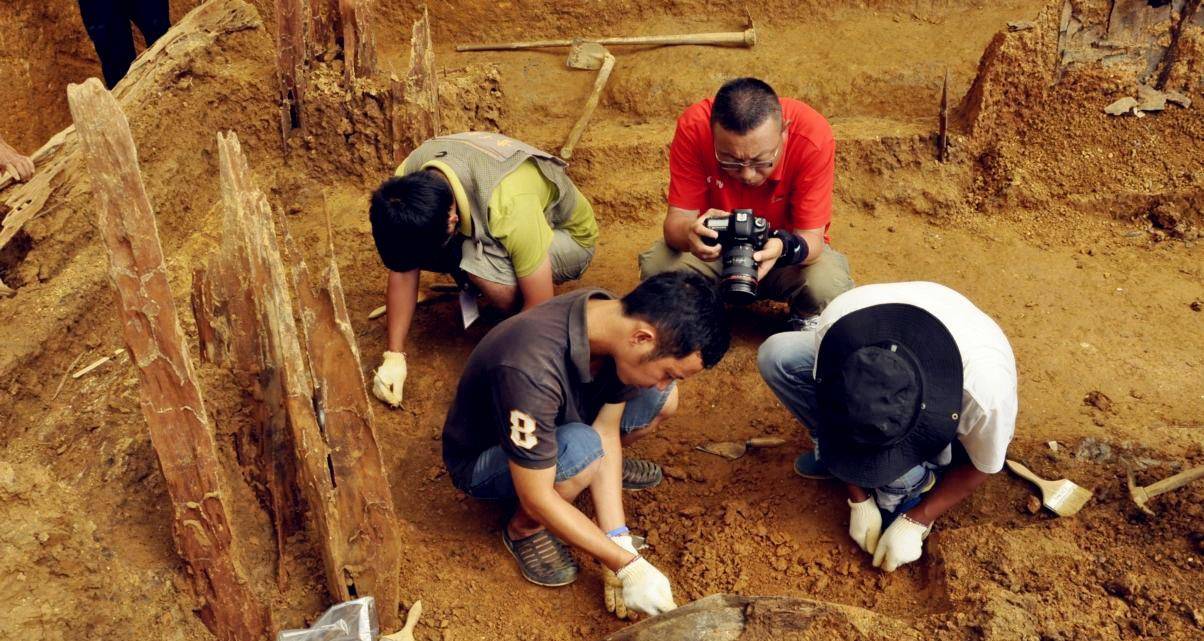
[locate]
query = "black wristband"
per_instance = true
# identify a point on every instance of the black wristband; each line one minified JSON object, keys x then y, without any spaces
{"x":794,"y":249}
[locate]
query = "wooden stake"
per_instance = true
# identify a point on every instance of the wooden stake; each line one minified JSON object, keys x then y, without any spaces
{"x":942,"y":138}
{"x":171,"y":400}
{"x":370,"y":544}
{"x":339,"y":467}
{"x":359,"y":41}
{"x":290,"y":61}
{"x":416,"y":98}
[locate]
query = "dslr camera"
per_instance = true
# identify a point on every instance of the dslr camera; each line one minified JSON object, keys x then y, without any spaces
{"x":741,"y":234}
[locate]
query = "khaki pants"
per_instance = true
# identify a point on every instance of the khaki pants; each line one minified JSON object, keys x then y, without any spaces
{"x":807,"y":288}
{"x":492,"y":262}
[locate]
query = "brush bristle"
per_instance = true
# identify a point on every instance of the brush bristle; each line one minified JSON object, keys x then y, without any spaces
{"x":1072,"y":502}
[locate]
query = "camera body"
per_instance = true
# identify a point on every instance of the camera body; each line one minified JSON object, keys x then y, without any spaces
{"x":741,"y":235}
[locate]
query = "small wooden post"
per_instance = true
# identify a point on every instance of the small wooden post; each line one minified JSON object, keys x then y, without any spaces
{"x":291,"y":21}
{"x":942,"y":136}
{"x":171,"y":400}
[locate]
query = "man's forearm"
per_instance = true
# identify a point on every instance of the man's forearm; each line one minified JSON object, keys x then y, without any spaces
{"x":575,"y":528}
{"x":401,"y":298}
{"x":953,"y":488}
{"x":815,"y":243}
{"x":607,"y":488}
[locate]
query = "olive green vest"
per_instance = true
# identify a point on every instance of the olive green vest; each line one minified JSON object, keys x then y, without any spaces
{"x":481,"y":159}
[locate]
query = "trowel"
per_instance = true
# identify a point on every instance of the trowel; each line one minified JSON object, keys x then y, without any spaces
{"x":734,"y":450}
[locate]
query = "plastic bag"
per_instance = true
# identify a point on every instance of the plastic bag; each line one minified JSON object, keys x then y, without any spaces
{"x":347,"y":621}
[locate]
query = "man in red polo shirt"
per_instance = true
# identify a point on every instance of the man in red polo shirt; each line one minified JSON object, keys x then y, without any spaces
{"x":748,"y":149}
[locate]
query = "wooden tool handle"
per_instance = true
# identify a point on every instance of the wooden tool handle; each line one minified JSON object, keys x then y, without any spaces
{"x":1174,"y":482}
{"x":1024,"y":472}
{"x":608,"y":64}
{"x":766,"y":441}
{"x":511,"y":46}
{"x":746,"y":38}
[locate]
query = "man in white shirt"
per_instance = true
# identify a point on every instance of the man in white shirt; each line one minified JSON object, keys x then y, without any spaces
{"x":909,"y":393}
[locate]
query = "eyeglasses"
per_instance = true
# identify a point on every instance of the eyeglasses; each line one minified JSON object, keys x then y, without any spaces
{"x":737,"y":165}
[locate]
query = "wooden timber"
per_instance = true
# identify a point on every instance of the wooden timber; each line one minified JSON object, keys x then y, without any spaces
{"x":171,"y":400}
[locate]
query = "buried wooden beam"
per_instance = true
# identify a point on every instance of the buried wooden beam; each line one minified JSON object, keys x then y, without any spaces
{"x":372,"y":551}
{"x":171,"y":400}
{"x":339,"y":465}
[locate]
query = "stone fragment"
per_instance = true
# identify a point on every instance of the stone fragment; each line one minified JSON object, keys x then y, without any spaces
{"x":1150,"y":99}
{"x":1174,"y":97}
{"x":1020,"y":25}
{"x":1121,"y":107}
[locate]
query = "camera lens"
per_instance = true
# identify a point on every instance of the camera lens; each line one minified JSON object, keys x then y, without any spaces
{"x":739,"y":278}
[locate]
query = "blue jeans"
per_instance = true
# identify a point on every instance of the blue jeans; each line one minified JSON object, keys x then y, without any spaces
{"x":787,"y":362}
{"x":578,"y":446}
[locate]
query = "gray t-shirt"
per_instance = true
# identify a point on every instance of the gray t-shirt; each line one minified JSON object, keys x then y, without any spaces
{"x":529,"y":375}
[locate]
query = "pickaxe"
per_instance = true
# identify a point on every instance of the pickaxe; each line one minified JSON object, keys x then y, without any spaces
{"x":1142,"y":495}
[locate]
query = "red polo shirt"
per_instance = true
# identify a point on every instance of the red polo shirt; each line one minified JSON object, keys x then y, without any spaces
{"x":798,"y":195}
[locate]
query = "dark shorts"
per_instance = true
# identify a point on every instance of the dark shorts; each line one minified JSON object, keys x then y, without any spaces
{"x":579,"y":445}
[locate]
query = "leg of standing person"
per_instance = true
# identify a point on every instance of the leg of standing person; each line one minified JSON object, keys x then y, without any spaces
{"x":152,"y":17}
{"x":109,"y":28}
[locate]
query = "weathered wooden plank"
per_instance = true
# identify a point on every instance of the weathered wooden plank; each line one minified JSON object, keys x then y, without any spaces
{"x":371,"y":544}
{"x":249,"y":226}
{"x":171,"y":399}
{"x":359,"y":41}
{"x":415,"y":110}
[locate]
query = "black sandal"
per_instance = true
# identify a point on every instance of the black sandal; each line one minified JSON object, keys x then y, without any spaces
{"x":542,"y":558}
{"x":639,"y":474}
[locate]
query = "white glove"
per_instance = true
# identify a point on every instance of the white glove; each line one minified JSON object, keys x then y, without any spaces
{"x":901,"y":543}
{"x":390,"y":378}
{"x":865,"y":524}
{"x":645,"y":589}
{"x":612,"y":587}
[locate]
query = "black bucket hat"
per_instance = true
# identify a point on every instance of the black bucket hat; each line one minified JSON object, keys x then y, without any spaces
{"x":889,"y":390}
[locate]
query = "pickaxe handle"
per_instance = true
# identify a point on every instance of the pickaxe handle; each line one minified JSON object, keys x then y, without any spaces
{"x":746,"y":38}
{"x":608,"y":64}
{"x":1174,"y":482}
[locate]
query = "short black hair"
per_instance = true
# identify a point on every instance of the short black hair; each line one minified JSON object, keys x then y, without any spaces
{"x":409,"y":218}
{"x":744,"y":104}
{"x":686,"y":311}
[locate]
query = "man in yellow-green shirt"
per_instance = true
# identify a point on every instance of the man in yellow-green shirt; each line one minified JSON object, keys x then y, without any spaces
{"x":497,"y":214}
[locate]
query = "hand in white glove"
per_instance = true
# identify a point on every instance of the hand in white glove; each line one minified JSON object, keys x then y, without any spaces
{"x":901,"y":543}
{"x":390,"y":378}
{"x":612,"y":587}
{"x":865,"y":524}
{"x":645,"y":589}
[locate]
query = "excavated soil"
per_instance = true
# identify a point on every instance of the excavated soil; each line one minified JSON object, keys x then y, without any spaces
{"x":1077,"y":231}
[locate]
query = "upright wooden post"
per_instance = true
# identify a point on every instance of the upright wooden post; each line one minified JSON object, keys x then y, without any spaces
{"x":416,"y":98}
{"x":340,"y":469}
{"x":372,"y":549}
{"x":291,"y":20}
{"x":359,"y":41}
{"x":171,"y":399}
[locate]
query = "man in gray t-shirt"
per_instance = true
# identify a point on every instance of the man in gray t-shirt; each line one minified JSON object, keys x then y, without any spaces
{"x":545,"y":403}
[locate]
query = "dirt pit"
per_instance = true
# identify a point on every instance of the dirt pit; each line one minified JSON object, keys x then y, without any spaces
{"x":1077,"y":231}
